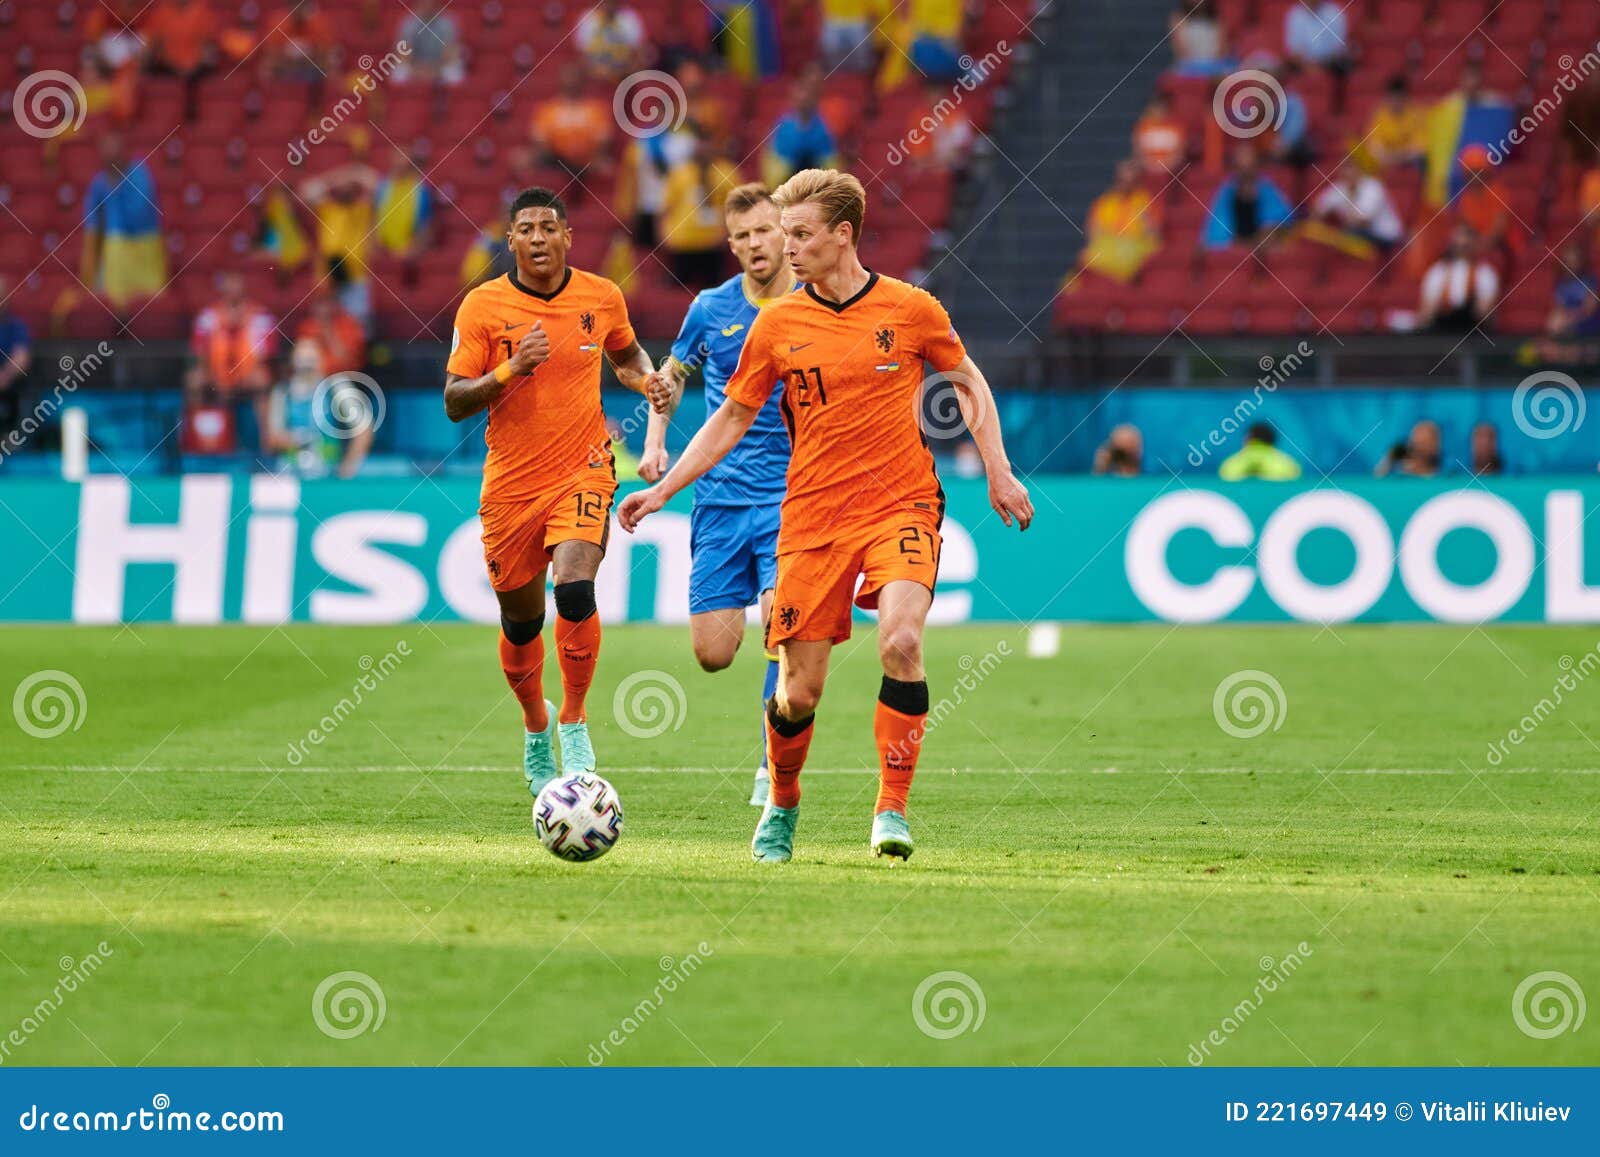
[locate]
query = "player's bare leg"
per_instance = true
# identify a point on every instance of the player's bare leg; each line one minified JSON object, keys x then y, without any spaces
{"x":577,"y":646}
{"x":716,"y":636}
{"x":791,"y":712}
{"x":522,"y":660}
{"x":902,"y":710}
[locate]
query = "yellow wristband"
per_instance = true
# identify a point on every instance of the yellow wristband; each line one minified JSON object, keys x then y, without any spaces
{"x":502,"y":373}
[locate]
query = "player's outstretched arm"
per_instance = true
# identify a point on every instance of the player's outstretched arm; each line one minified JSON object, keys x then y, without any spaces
{"x":633,"y":367}
{"x":1008,"y":496}
{"x":669,"y":380}
{"x":464,"y":397}
{"x":720,"y":434}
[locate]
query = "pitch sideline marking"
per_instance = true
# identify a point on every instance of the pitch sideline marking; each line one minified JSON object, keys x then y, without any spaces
{"x":473,"y":768}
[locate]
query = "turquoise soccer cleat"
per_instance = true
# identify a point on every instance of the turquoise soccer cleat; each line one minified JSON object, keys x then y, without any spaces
{"x":538,"y":753}
{"x":577,"y":753}
{"x":758,"y":794}
{"x":774,"y":838}
{"x":891,"y":835}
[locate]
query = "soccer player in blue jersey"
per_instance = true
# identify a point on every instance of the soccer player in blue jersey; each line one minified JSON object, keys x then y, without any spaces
{"x":733,"y":531}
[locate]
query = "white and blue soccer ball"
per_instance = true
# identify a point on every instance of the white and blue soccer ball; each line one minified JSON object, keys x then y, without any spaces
{"x":578,"y":817}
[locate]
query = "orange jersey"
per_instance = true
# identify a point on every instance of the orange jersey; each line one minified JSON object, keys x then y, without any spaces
{"x":852,"y":391}
{"x":546,"y":430}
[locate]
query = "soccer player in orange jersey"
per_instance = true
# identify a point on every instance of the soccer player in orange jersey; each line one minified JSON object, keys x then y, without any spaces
{"x":527,"y":347}
{"x":863,"y":499}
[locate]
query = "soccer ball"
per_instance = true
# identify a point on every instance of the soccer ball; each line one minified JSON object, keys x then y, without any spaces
{"x":578,"y":817}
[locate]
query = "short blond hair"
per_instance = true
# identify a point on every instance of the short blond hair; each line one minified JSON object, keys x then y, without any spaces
{"x":745,"y":197}
{"x":840,"y":196}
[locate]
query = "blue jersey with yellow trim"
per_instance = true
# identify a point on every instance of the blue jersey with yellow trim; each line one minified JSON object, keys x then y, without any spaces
{"x":711,"y":339}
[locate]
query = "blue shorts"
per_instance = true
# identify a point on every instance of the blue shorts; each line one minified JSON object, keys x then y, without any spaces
{"x":735,"y":556}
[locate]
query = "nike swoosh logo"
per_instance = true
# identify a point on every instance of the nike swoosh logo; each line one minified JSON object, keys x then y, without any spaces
{"x":511,"y":325}
{"x":731,"y":330}
{"x":794,"y":349}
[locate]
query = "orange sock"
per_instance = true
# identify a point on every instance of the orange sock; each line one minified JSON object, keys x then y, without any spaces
{"x":577,"y":647}
{"x":786,"y":755}
{"x":899,"y":735}
{"x":524,"y":668}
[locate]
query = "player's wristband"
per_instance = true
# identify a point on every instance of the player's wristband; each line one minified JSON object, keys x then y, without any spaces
{"x":502,"y":373}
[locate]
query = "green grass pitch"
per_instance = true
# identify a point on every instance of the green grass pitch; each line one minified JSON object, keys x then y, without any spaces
{"x":1110,"y":870}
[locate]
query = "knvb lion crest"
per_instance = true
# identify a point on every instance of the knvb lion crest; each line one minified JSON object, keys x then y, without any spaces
{"x":885,"y":339}
{"x":587,"y":321}
{"x":788,"y":617}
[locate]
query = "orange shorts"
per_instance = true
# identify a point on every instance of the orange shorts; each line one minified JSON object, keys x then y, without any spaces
{"x":814,"y":590}
{"x":518,"y":537}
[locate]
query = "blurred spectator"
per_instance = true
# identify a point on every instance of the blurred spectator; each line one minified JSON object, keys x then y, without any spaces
{"x":1259,"y":458}
{"x":342,"y":200}
{"x":642,"y":180}
{"x":1291,"y":142}
{"x":238,"y":43}
{"x":1486,"y":449}
{"x":233,"y":344}
{"x":1123,"y":230}
{"x":302,"y":46}
{"x":1248,"y":208}
{"x":847,"y":35}
{"x":1461,"y":289}
{"x":1122,"y":454}
{"x":936,"y":39}
{"x":488,"y":257}
{"x":280,"y":237}
{"x":404,"y":204}
{"x":1445,"y":122}
{"x":944,"y":145}
{"x":1199,"y":45}
{"x":1398,"y":132}
{"x":1315,"y":35}
{"x":1160,"y":141}
{"x":801,"y":139}
{"x":107,"y":96}
{"x":109,"y":28}
{"x":1355,"y":215}
{"x":1484,"y":203}
{"x":571,"y":129}
{"x":16,"y":355}
{"x":612,"y":39}
{"x":340,"y":341}
{"x":692,"y":228}
{"x":435,"y":42}
{"x":1572,"y":332}
{"x":124,"y":256}
{"x":181,"y":40}
{"x":317,"y":428}
{"x":968,"y":461}
{"x":1418,"y":456}
{"x":701,"y":105}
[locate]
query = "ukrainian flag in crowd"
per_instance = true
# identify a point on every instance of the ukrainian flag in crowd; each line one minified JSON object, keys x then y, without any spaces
{"x":746,"y":33}
{"x":1453,"y":125}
